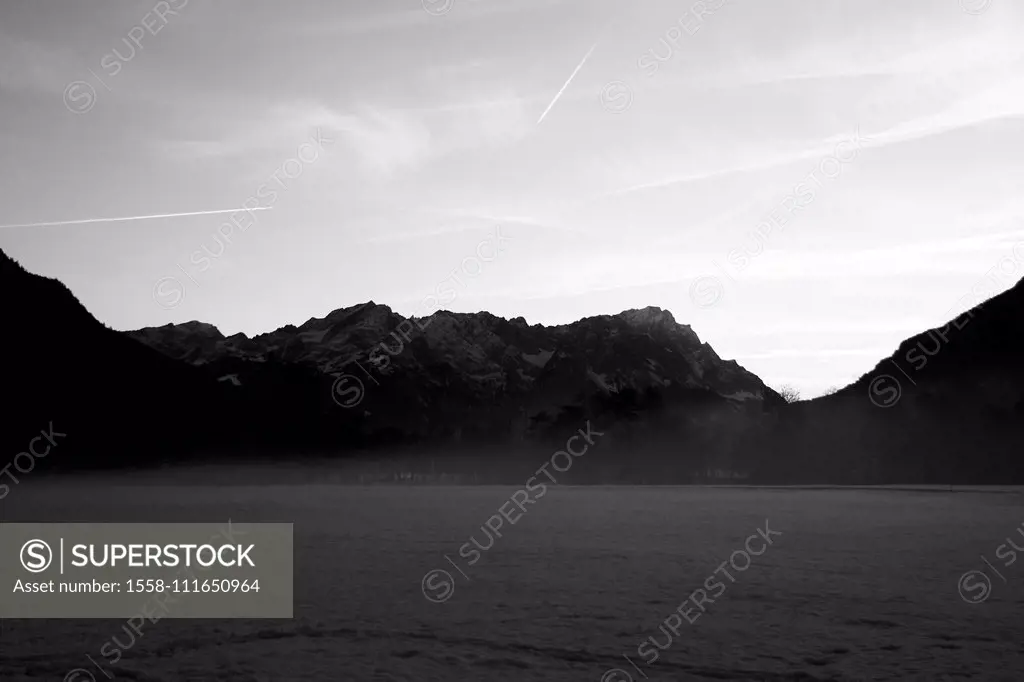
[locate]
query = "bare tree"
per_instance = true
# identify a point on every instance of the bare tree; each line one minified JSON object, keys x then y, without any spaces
{"x":831,"y":390}
{"x":789,"y":394}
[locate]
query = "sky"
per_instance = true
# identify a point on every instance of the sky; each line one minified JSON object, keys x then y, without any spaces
{"x":804,"y":184}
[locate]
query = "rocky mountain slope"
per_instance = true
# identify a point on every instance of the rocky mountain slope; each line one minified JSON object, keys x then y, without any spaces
{"x":477,"y":379}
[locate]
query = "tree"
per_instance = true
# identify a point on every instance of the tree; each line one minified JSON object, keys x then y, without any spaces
{"x":789,"y":394}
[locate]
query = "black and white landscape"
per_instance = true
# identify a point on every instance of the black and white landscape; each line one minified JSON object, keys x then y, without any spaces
{"x":578,"y":340}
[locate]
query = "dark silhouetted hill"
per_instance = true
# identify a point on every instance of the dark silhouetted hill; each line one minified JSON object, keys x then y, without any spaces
{"x":118,"y":401}
{"x":946,"y":408}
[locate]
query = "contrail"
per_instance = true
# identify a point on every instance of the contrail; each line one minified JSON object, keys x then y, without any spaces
{"x":138,"y":217}
{"x":578,"y":67}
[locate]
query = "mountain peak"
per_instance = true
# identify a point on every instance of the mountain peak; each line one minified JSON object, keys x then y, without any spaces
{"x":653,"y":317}
{"x":199,"y":327}
{"x":649,"y":316}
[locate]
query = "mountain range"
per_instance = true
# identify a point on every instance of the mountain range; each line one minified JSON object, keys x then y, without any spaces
{"x":479,"y":391}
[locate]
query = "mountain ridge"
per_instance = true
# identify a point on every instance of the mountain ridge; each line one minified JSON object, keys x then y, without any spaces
{"x":489,"y":369}
{"x":946,"y":407}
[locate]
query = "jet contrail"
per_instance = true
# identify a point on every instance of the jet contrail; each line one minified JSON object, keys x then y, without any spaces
{"x":138,"y":217}
{"x":559,"y":94}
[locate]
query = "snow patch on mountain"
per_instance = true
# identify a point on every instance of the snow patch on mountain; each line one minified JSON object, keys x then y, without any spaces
{"x":538,"y":359}
{"x":602,"y":381}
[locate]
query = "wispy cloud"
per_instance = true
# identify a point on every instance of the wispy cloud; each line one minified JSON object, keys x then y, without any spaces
{"x":1004,"y":100}
{"x":384,"y":140}
{"x":937,"y":81}
{"x":819,"y":150}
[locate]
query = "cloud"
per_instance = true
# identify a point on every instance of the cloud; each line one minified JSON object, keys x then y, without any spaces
{"x":385,"y":140}
{"x":1003,"y":100}
{"x":820,"y":150}
{"x":495,"y":120}
{"x":940,"y":81}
